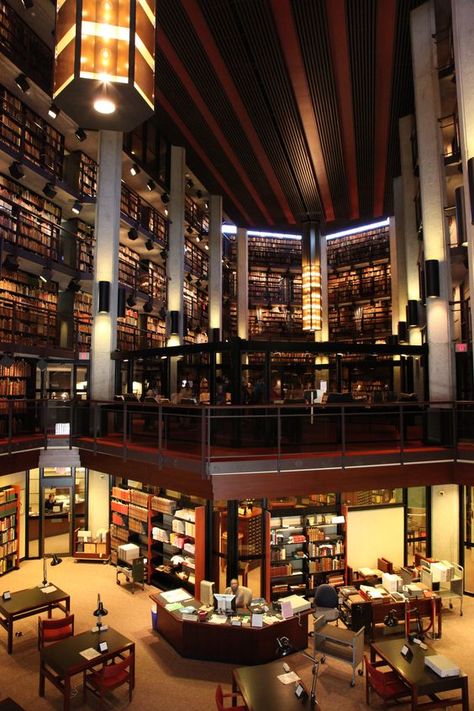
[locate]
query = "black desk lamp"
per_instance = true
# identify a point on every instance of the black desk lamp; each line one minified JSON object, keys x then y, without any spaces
{"x":56,"y":560}
{"x":284,"y":647}
{"x":100,"y":612}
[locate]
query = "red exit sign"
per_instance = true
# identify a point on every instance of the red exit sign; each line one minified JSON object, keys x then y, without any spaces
{"x":461,"y":347}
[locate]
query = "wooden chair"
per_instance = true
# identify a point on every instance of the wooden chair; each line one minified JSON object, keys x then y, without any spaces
{"x":387,"y":684}
{"x":52,"y":630}
{"x":220,"y":696}
{"x":108,"y":678}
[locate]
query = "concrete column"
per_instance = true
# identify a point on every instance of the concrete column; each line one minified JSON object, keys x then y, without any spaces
{"x":242,"y":283}
{"x":215,"y":263}
{"x":107,"y":232}
{"x":432,"y":185}
{"x":397,"y":257}
{"x":463,"y":41}
{"x":175,"y":261}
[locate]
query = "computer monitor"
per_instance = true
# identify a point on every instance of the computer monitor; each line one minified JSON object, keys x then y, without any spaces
{"x":224,"y":603}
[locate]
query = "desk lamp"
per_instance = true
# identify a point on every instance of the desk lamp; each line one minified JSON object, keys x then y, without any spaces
{"x":100,"y":612}
{"x":56,"y":560}
{"x":284,"y":648}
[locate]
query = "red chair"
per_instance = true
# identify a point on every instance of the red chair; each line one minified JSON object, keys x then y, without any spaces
{"x":53,"y":630}
{"x":387,"y":684}
{"x":220,"y":696}
{"x":110,"y":677}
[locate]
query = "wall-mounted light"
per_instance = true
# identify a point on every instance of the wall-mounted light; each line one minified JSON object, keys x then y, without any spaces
{"x":50,"y":191}
{"x":133,"y":233}
{"x":149,"y":244}
{"x":16,"y":170}
{"x":151,"y":185}
{"x":53,"y":111}
{"x":22,"y":83}
{"x":432,"y":278}
{"x":77,"y":207}
{"x":121,"y":296}
{"x":412,"y":313}
{"x":134,"y":169}
{"x":131,"y":301}
{"x":148,"y":306}
{"x":80,"y":134}
{"x":104,"y":297}
{"x":403,"y":332}
{"x":165,"y":198}
{"x":174,"y":323}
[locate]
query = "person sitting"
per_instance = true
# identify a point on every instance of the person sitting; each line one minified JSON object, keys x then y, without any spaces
{"x":243,"y":595}
{"x":50,"y":502}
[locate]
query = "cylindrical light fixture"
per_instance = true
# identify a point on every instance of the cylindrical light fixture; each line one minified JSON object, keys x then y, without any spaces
{"x":402,"y":332}
{"x":460,"y":221}
{"x":121,"y":299}
{"x":174,"y":323}
{"x":311,"y":277}
{"x":104,"y":297}
{"x":215,"y":335}
{"x":432,"y":278}
{"x":105,"y":62}
{"x":412,"y":313}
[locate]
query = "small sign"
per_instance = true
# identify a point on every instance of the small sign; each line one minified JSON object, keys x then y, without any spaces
{"x":461,"y":348}
{"x":103,"y":647}
{"x":7,"y":595}
{"x":62,"y":428}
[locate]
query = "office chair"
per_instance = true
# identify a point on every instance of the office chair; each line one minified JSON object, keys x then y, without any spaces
{"x":387,"y":684}
{"x":326,"y":602}
{"x":110,"y":677}
{"x":220,"y":696}
{"x":54,"y":630}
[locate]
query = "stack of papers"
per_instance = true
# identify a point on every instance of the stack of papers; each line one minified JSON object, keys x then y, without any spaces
{"x":176,"y":595}
{"x":49,"y":589}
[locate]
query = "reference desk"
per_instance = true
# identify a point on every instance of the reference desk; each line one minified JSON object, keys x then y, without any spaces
{"x":226,"y":642}
{"x":31,"y":601}
{"x":421,"y":680}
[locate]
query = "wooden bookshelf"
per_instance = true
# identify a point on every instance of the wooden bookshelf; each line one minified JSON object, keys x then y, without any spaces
{"x":277,"y":251}
{"x":9,"y":528}
{"x":80,"y":172}
{"x":130,"y":203}
{"x":13,"y":380}
{"x":363,"y":248}
{"x":152,"y":280}
{"x":195,"y":260}
{"x":128,"y":266}
{"x":155,"y":223}
{"x":128,"y":333}
{"x":83,"y":320}
{"x":21,"y":319}
{"x":153,"y":331}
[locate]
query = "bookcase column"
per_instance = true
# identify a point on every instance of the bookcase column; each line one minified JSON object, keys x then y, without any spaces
{"x":215,"y":264}
{"x":463,"y":32}
{"x":432,"y":186}
{"x":107,"y":230}
{"x":242,"y":283}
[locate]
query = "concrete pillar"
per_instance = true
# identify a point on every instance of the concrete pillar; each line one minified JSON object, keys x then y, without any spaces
{"x":107,"y":232}
{"x":397,"y":257}
{"x":175,"y":261}
{"x":215,"y":263}
{"x":242,"y":283}
{"x":432,"y":185}
{"x":463,"y":42}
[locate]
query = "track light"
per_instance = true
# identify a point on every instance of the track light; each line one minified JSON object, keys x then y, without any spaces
{"x":10,"y":263}
{"x":151,"y":185}
{"x":27,"y":4}
{"x":198,"y":239}
{"x":80,"y":134}
{"x":134,"y":169}
{"x":74,"y":285}
{"x":133,"y":233}
{"x":189,"y":184}
{"x":131,"y":300}
{"x":149,"y":244}
{"x":49,"y":190}
{"x":189,"y":230}
{"x":53,"y":111}
{"x":16,"y":170}
{"x":166,"y":212}
{"x":165,"y":198}
{"x":77,"y":207}
{"x":206,"y":246}
{"x":148,"y":306}
{"x":22,"y":83}
{"x":46,"y":275}
{"x":206,"y":204}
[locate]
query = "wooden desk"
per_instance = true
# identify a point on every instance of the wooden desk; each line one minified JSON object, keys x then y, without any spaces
{"x":421,"y":680}
{"x":31,"y":601}
{"x":60,"y":661}
{"x":262,"y":690}
{"x":226,"y":642}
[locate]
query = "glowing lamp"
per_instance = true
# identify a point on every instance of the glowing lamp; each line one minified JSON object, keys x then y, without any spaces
{"x":311,"y":277}
{"x":104,"y":72}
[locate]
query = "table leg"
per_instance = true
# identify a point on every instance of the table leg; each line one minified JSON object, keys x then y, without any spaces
{"x":67,"y":692}
{"x":68,"y":604}
{"x":414,"y":698}
{"x":10,"y":634}
{"x":465,"y":694}
{"x":50,"y":612}
{"x":41,"y":679}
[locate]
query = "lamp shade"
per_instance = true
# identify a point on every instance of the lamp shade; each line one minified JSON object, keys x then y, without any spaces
{"x":121,"y":299}
{"x":105,"y":62}
{"x":412,"y":313}
{"x":402,"y":332}
{"x":104,"y":297}
{"x":432,"y":278}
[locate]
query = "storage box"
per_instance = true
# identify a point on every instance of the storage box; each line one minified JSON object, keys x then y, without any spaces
{"x":441,"y":665}
{"x":89,"y":548}
{"x":298,"y":603}
{"x":84,"y":535}
{"x":392,"y":582}
{"x":128,"y":551}
{"x":101,"y":548}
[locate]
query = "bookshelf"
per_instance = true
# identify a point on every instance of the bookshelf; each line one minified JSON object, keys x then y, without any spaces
{"x":363,"y":248}
{"x":279,"y":252}
{"x":9,"y":528}
{"x":128,"y":266}
{"x":21,"y":319}
{"x":130,"y":203}
{"x":128,"y":331}
{"x":155,"y":223}
{"x":14,"y":380}
{"x":80,"y":172}
{"x":194,"y":216}
{"x":83,"y":320}
{"x":152,"y":280}
{"x":195,"y":260}
{"x":153,"y":330}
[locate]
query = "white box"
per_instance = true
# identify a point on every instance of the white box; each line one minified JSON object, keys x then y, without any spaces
{"x":298,"y":603}
{"x":392,"y":582}
{"x":84,"y":535}
{"x":128,"y":552}
{"x":441,"y":665}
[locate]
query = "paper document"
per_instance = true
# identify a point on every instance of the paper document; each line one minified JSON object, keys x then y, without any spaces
{"x":49,"y":589}
{"x":176,"y":595}
{"x":218,"y":619}
{"x":90,"y":653}
{"x":171,"y":606}
{"x":290,"y":677}
{"x":270,"y":619}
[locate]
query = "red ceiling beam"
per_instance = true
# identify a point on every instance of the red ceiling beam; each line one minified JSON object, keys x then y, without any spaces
{"x":178,"y":67}
{"x":290,"y":45}
{"x":206,"y":38}
{"x":385,"y":38}
{"x":339,"y":43}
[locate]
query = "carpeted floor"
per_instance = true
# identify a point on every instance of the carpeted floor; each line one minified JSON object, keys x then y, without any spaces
{"x":164,"y":680}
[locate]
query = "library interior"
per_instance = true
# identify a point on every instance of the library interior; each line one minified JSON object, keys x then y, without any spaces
{"x":236,"y":362}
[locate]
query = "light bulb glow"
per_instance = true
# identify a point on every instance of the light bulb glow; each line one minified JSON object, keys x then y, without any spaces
{"x":104,"y":106}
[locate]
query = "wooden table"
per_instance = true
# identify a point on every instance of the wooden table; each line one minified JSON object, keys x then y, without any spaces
{"x":60,"y":661}
{"x":262,"y":690}
{"x":421,"y":680}
{"x":31,"y":601}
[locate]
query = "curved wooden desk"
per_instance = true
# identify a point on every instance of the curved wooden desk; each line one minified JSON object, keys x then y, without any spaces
{"x":228,"y":643}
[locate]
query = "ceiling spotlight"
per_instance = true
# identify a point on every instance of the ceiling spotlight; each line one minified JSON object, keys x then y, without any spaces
{"x":22,"y":83}
{"x":189,"y":184}
{"x":151,"y":185}
{"x":133,"y":233}
{"x":10,"y":263}
{"x":77,"y":207}
{"x":46,"y":275}
{"x":27,"y":4}
{"x":148,"y":306}
{"x":49,"y":190}
{"x":74,"y":285}
{"x":189,"y":230}
{"x":80,"y":134}
{"x":149,"y":244}
{"x":131,"y":300}
{"x":163,"y":254}
{"x":134,"y":169}
{"x":189,"y":278}
{"x":166,"y":211}
{"x":165,"y":198}
{"x":16,"y":170}
{"x":206,"y":246}
{"x":53,"y":111}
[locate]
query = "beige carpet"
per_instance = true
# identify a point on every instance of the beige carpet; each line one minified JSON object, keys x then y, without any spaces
{"x":165,"y":681}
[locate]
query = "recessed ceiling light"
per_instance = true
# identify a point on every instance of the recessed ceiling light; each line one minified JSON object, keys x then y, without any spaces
{"x":104,"y":106}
